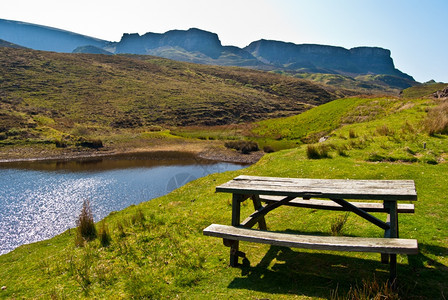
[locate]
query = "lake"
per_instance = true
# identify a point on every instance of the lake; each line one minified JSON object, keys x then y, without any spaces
{"x":39,"y":200}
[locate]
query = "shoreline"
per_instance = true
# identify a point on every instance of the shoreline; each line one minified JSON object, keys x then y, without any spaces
{"x":201,"y":150}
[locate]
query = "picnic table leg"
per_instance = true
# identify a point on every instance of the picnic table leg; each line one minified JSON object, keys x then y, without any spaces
{"x":236,"y":212}
{"x":393,"y":215}
{"x":257,"y":206}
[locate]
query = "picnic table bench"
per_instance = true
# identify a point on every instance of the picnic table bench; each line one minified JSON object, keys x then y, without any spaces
{"x":299,"y":192}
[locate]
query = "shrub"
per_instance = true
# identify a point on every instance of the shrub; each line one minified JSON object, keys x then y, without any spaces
{"x":244,"y":147}
{"x":155,"y":128}
{"x":90,"y":143}
{"x":352,"y":134}
{"x":86,"y":230}
{"x":81,"y":131}
{"x":268,"y":149}
{"x":60,"y":144}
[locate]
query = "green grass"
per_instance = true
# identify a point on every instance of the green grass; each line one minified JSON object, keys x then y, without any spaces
{"x":315,"y":123}
{"x":366,"y":84}
{"x":156,"y":249}
{"x":423,"y":90}
{"x":164,"y":254}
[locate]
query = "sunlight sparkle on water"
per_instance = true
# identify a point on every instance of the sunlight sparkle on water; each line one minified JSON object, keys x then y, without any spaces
{"x":37,"y":205}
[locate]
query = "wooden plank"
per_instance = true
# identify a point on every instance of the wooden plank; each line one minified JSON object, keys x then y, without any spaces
{"x":322,"y":188}
{"x":236,"y":215}
{"x":330,"y":205}
{"x":339,"y":243}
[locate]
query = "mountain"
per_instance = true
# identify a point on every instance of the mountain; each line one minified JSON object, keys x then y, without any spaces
{"x":10,"y":45}
{"x":364,"y":69}
{"x":192,"y":45}
{"x":45,"y":38}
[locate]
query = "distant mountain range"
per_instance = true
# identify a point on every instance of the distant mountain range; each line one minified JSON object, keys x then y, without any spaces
{"x":199,"y":46}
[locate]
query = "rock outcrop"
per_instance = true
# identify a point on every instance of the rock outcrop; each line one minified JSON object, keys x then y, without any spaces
{"x":325,"y":59}
{"x":442,"y":94}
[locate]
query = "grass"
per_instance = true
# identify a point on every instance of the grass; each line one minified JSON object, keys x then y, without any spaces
{"x":370,"y":129}
{"x":164,"y":254}
{"x":436,"y":121}
{"x":156,"y":249}
{"x":365,"y":84}
{"x":423,"y":90}
{"x":60,"y":103}
{"x":46,"y":97}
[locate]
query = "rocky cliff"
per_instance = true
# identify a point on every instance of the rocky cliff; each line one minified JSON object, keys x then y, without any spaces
{"x":199,"y":46}
{"x":325,"y":59}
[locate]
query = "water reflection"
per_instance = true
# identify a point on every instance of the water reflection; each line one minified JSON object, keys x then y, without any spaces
{"x":40,"y":200}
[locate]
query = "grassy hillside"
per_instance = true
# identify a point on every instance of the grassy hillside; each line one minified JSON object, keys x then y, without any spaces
{"x":54,"y":101}
{"x":368,"y":84}
{"x":423,"y":90}
{"x":157,"y":249}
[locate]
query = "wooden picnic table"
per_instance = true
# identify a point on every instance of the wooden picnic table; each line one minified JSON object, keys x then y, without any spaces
{"x":332,"y":194}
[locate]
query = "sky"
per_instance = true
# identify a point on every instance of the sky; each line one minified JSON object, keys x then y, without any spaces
{"x":416,"y":31}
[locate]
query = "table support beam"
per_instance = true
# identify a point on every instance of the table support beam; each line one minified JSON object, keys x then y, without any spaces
{"x":250,"y":221}
{"x":362,"y":213}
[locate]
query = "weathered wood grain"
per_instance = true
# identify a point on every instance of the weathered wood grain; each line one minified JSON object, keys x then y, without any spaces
{"x":354,"y":244}
{"x":393,"y":190}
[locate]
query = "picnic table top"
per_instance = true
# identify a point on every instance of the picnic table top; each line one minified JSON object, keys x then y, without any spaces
{"x":390,"y":190}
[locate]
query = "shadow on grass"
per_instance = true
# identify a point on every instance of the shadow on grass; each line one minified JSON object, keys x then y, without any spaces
{"x":286,"y":271}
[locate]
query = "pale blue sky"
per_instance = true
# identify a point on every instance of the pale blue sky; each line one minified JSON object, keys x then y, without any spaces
{"x":415,"y":31}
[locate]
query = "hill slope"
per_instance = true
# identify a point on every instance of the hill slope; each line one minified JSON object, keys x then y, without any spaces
{"x":45,"y":96}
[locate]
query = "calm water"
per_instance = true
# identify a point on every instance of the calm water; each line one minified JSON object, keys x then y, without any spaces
{"x":42,"y":199}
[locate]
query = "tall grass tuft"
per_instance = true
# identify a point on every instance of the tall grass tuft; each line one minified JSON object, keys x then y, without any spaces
{"x":138,"y":218}
{"x":436,"y":120}
{"x":384,"y":130}
{"x":337,"y":226}
{"x":104,"y":235}
{"x":369,"y":290}
{"x":317,"y":151}
{"x":86,"y":230}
